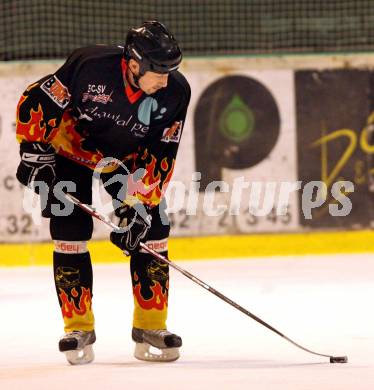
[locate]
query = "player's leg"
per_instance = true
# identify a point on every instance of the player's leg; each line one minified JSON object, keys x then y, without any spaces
{"x":72,"y":266}
{"x":150,"y":281}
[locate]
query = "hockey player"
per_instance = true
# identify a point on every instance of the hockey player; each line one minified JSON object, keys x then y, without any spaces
{"x":128,"y":104}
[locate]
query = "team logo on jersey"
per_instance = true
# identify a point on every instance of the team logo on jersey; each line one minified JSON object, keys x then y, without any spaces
{"x":173,"y":133}
{"x":56,"y":91}
{"x":148,"y":107}
{"x":96,"y":93}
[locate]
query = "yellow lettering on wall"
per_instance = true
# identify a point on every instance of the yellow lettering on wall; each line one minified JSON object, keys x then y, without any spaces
{"x":326,"y":176}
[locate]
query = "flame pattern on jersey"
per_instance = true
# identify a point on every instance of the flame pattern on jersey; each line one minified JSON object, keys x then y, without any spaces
{"x":142,"y":130}
{"x":38,"y":127}
{"x":156,"y":172}
{"x":68,"y":142}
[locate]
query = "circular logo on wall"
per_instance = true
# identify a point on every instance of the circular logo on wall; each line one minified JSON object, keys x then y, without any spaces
{"x":236,"y":123}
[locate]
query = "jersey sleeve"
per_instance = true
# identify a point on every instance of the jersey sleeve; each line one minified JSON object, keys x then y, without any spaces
{"x":41,"y":106}
{"x":159,"y":156}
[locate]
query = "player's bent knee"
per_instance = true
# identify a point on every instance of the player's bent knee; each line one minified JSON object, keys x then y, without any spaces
{"x":75,"y":228}
{"x":70,"y":247}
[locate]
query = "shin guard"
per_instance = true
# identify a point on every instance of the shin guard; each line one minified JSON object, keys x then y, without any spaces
{"x":150,"y":282}
{"x":73,"y":281}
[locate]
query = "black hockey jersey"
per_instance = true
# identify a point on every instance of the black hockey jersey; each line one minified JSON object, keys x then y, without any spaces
{"x":88,"y":110}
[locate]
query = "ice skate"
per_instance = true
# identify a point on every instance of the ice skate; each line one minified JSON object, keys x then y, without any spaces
{"x":77,"y":346}
{"x":156,"y":345}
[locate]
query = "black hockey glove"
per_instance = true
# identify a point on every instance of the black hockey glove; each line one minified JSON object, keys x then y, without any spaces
{"x":37,"y":164}
{"x":135,"y":222}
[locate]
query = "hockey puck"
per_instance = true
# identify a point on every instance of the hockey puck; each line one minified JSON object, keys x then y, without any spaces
{"x":338,"y":359}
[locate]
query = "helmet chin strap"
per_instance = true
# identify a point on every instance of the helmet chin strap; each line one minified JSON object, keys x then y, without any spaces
{"x":135,"y":77}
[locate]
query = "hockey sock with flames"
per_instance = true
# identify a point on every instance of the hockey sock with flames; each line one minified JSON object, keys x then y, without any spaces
{"x":73,"y":281}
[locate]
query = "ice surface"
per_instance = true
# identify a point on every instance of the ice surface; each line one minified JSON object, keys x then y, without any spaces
{"x":324,"y":303}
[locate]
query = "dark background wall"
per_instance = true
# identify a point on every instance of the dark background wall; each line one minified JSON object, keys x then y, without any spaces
{"x":39,"y":29}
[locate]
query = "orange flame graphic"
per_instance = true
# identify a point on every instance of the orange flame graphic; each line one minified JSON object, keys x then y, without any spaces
{"x":34,"y":130}
{"x":155,"y":175}
{"x":138,"y":187}
{"x":68,"y":142}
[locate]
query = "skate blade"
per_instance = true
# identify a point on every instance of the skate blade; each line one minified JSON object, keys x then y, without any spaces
{"x":80,"y":356}
{"x":143,"y":352}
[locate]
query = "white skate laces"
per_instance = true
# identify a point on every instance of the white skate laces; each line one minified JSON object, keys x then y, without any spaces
{"x":77,"y":346}
{"x":156,"y":345}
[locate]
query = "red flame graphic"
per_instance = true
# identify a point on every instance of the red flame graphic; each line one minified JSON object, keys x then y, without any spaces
{"x":68,"y":306}
{"x":164,"y":164}
{"x":158,"y":301}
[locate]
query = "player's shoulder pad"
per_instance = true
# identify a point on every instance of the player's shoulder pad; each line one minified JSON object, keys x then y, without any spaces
{"x":181,"y":84}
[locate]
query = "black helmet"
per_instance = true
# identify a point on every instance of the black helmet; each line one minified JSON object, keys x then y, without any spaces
{"x":153,"y":47}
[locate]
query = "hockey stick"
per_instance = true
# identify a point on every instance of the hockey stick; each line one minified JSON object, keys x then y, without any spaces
{"x":90,"y":210}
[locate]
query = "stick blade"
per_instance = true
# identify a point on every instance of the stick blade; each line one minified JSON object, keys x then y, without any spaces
{"x":338,"y":359}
